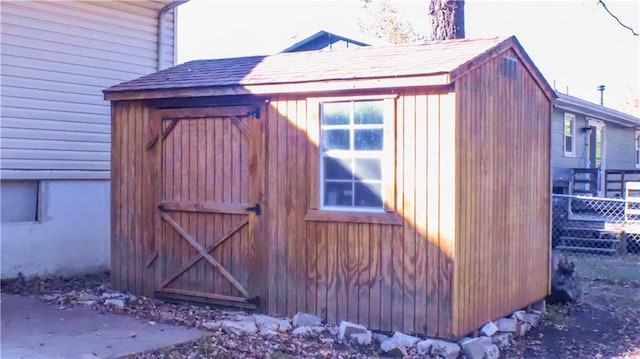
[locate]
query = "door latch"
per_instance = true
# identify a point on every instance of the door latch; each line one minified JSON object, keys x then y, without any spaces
{"x":256,"y":209}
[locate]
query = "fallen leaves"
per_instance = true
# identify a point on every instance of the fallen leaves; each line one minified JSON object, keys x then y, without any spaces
{"x":606,"y":325}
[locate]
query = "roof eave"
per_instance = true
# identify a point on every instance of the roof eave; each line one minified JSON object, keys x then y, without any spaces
{"x":601,"y":113}
{"x":439,"y":79}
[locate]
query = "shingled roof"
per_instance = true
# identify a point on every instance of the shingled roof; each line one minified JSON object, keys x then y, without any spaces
{"x":364,"y":63}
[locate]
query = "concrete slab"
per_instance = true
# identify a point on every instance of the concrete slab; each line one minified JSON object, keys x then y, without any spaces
{"x":34,"y":329}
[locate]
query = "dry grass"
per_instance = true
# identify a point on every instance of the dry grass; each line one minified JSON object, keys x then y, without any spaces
{"x":615,"y":268}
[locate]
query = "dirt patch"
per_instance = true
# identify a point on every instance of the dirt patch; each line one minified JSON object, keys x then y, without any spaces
{"x":606,"y":324}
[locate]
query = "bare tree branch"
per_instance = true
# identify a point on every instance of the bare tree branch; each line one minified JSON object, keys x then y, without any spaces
{"x":615,"y":17}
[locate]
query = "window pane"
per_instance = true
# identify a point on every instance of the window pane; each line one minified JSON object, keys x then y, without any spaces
{"x":366,"y":112}
{"x":336,"y":113}
{"x":338,"y":194}
{"x":368,"y":169}
{"x":335,"y":139}
{"x":337,"y":169}
{"x":368,"y":195}
{"x":18,"y":201}
{"x":568,"y":127}
{"x":568,"y":144}
{"x":367,"y":140}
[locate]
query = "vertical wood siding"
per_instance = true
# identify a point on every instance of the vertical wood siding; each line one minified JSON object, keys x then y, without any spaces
{"x":133,"y":202}
{"x":386,"y":277}
{"x":204,"y":162}
{"x":198,"y":162}
{"x":472,"y":185}
{"x":503,"y":195}
{"x":57,"y":57}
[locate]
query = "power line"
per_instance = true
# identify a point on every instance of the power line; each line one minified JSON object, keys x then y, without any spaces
{"x":615,"y":17}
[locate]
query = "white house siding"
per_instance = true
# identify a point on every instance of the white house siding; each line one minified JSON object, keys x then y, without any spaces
{"x":56,"y":58}
{"x":561,"y":164}
{"x":619,"y":139}
{"x":619,"y":147}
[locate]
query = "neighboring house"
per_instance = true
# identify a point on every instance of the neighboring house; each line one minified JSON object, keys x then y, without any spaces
{"x":595,"y":149}
{"x":57,"y":57}
{"x":324,"y":40}
{"x":399,"y":187}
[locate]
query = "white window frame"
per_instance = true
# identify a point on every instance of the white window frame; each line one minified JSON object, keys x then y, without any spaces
{"x":569,"y":152}
{"x":352,"y":154}
{"x":637,"y":148}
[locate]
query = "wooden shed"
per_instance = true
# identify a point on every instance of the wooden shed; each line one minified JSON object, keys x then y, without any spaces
{"x":400,"y":187}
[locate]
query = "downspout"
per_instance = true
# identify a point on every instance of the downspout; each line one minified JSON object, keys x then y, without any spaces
{"x":161,"y":14}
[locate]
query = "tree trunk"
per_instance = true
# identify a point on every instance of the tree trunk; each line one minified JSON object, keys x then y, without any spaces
{"x":447,"y":19}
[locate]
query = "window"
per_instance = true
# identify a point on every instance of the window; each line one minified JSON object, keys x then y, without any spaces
{"x":569,"y":135}
{"x":18,"y":201}
{"x":352,"y":145}
{"x":637,"y":149}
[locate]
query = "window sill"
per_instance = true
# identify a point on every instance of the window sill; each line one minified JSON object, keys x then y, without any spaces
{"x":354,"y":217}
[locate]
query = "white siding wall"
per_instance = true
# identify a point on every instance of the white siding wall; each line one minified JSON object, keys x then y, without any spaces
{"x":620,"y":147}
{"x":57,"y":57}
{"x":560,"y":163}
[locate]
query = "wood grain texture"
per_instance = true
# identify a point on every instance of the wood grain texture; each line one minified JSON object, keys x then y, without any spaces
{"x":179,"y":174}
{"x":505,"y":129}
{"x":464,"y":238}
{"x":407,"y":265}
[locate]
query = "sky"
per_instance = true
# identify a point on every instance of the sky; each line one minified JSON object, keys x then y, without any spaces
{"x":575,"y":44}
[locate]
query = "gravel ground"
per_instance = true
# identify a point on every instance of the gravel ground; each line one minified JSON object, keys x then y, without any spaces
{"x":605,"y":325}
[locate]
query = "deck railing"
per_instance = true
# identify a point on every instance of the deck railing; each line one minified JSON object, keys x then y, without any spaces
{"x":587,"y":181}
{"x":616,"y":181}
{"x":584,"y":181}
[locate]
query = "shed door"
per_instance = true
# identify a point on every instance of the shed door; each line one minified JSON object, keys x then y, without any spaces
{"x":208,"y":203}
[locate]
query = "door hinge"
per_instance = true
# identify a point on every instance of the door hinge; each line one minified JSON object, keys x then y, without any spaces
{"x":255,"y":113}
{"x":256,"y":209}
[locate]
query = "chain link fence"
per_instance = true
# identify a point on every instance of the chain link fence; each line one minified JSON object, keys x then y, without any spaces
{"x":592,"y":226}
{"x":600,"y":235}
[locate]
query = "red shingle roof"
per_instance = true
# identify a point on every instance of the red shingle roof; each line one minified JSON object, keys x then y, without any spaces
{"x":369,"y":62}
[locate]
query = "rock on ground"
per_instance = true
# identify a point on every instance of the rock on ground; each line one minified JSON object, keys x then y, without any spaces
{"x":306,"y":320}
{"x":491,"y":352}
{"x":502,"y":340}
{"x":473,"y":348}
{"x":392,"y":349}
{"x":489,"y":329}
{"x":239,"y":328}
{"x":270,"y":324}
{"x":444,"y":349}
{"x":346,"y":329}
{"x":507,"y":325}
